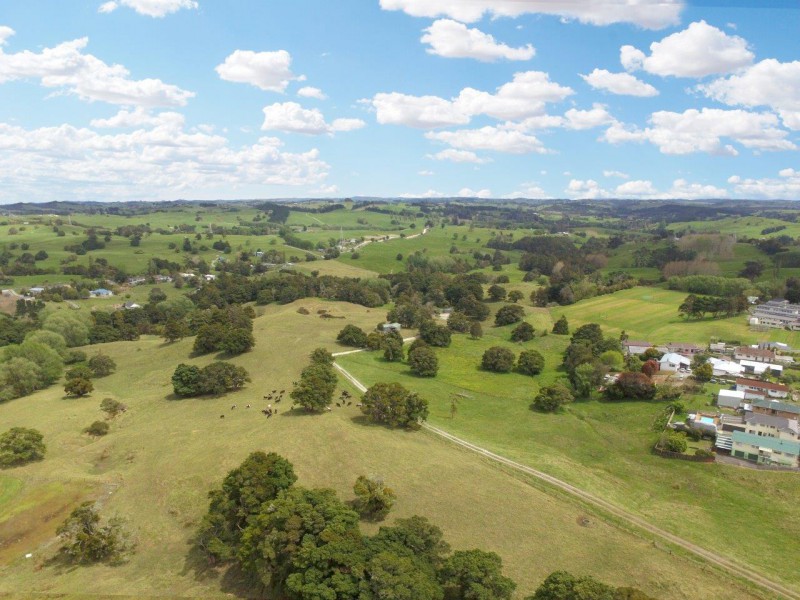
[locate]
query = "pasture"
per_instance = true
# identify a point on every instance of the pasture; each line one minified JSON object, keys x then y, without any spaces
{"x":163,"y":455}
{"x":604,"y":447}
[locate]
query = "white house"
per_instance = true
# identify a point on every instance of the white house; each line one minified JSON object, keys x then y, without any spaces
{"x":752,"y":367}
{"x":773,"y":390}
{"x":754,"y":353}
{"x":725,"y":368}
{"x":673,"y":362}
{"x":730,"y":399}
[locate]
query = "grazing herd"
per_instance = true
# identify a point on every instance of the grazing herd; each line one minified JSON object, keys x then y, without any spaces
{"x":345,"y":399}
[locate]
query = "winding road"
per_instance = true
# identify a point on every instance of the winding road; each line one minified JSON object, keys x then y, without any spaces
{"x":732,"y":567}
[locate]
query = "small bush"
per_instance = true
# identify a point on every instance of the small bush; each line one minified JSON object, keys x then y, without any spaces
{"x":97,"y":429}
{"x":102,"y":365}
{"x":78,"y":387}
{"x":112,"y":407}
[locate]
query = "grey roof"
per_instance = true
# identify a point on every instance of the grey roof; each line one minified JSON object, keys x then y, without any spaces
{"x":774,"y":405}
{"x":777,"y":444}
{"x":781,"y":423}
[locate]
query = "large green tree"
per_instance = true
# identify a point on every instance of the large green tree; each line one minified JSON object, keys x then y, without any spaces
{"x":530,"y":362}
{"x":498,"y":360}
{"x":314,"y":391}
{"x":423,"y":362}
{"x":20,"y":445}
{"x":393,"y":405}
{"x":475,"y":575}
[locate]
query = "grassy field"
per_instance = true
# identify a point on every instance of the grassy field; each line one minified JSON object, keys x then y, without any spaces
{"x":604,"y":447}
{"x":651,"y":314}
{"x":750,"y":226}
{"x":163,"y":455}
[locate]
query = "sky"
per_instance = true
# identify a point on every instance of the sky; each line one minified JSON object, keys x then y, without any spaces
{"x":212,"y":99}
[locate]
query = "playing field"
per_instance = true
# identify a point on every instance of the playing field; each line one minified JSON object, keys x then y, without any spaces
{"x":163,"y":455}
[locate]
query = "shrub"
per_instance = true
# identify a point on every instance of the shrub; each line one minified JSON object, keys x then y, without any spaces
{"x":86,"y":541}
{"x":522,"y":332}
{"x":631,"y":386}
{"x":353,"y":336}
{"x":74,"y":356}
{"x":673,"y":441}
{"x":475,"y":330}
{"x":81,"y":371}
{"x":530,"y":362}
{"x":78,"y":387}
{"x":20,"y":445}
{"x":561,"y":327}
{"x":497,"y":293}
{"x":112,"y":407}
{"x":98,"y":428}
{"x":498,"y":360}
{"x":423,"y":362}
{"x":102,"y":365}
{"x":552,"y":398}
{"x":511,"y":313}
{"x":374,"y":499}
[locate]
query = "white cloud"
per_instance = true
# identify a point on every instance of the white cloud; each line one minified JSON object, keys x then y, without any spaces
{"x":619,"y":174}
{"x":590,"y":189}
{"x":528,"y":190}
{"x":695,"y":191}
{"x":785,"y":187}
{"x":429,"y":194}
{"x":269,"y":71}
{"x":623,"y":84}
{"x":425,"y":173}
{"x":158,"y":161}
{"x":470,"y":193}
{"x":524,"y":96}
{"x":293,"y":118}
{"x":66,"y":67}
{"x":458,"y":156}
{"x":587,"y":119}
{"x":455,"y":40}
{"x":138,"y":117}
{"x":767,"y":83}
{"x":650,"y":14}
{"x":311,"y":92}
{"x":150,"y":8}
{"x":703,"y":131}
{"x":697,"y":51}
{"x":489,"y":138}
{"x":643,"y":189}
{"x":5,"y":33}
{"x":637,"y":188}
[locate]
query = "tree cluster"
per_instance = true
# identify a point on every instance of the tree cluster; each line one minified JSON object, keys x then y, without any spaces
{"x":696,"y":307}
{"x":228,"y":330}
{"x":212,"y":380}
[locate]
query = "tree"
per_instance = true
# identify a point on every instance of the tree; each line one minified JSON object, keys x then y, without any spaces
{"x":673,"y":441}
{"x":390,"y":575}
{"x":374,"y":499}
{"x":86,"y":541}
{"x":49,"y":338}
{"x":423,"y":362}
{"x":552,"y":398}
{"x":435,"y":335}
{"x":112,"y":407}
{"x":393,"y":348}
{"x":259,"y":479}
{"x":321,"y":355}
{"x":19,"y":375}
{"x":475,"y":575}
{"x":522,"y":332}
{"x":353,"y":336}
{"x":97,"y":429}
{"x":651,"y":367}
{"x":498,"y":360}
{"x":530,"y":362}
{"x":393,"y":405}
{"x":102,"y":365}
{"x":631,"y":386}
{"x":221,"y":377}
{"x":515,"y":296}
{"x":48,"y":361}
{"x":78,"y":387}
{"x":237,"y":341}
{"x":79,"y":371}
{"x":20,"y":445}
{"x":752,"y":270}
{"x":417,"y":536}
{"x":475,"y":330}
{"x":208,"y":339}
{"x":590,"y":332}
{"x":186,"y":380}
{"x":703,"y":372}
{"x":613,"y":359}
{"x":175,"y":329}
{"x":314,"y":391}
{"x":70,"y":326}
{"x":458,"y":322}
{"x":508,"y":314}
{"x":497,"y":293}
{"x":561,"y":585}
{"x":698,"y":360}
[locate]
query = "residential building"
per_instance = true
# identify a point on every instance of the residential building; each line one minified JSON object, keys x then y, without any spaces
{"x":730,"y":399}
{"x":387,"y":327}
{"x":752,"y":367}
{"x":778,"y":313}
{"x":635,"y":346}
{"x":773,"y":390}
{"x":767,"y":425}
{"x":754,"y":354}
{"x":684,"y":348}
{"x":777,"y":409}
{"x":725,"y":368}
{"x":765,"y":450}
{"x":101,"y":293}
{"x":673,"y":362}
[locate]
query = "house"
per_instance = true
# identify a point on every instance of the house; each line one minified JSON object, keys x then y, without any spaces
{"x":137,"y":280}
{"x":683,"y":348}
{"x":776,"y":346}
{"x":635,"y":346}
{"x":778,"y":313}
{"x":777,"y":409}
{"x":101,"y":293}
{"x":387,"y":327}
{"x":730,"y":399}
{"x":773,"y":390}
{"x":209,"y":277}
{"x":767,"y":425}
{"x":725,"y":368}
{"x":752,"y":367}
{"x":754,"y":353}
{"x":765,"y":450}
{"x":131,"y":305}
{"x":162,"y":279}
{"x":35,"y":291}
{"x":673,"y":362}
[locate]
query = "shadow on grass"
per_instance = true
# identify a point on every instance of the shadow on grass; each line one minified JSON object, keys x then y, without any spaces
{"x":231,"y":579}
{"x":365,"y":421}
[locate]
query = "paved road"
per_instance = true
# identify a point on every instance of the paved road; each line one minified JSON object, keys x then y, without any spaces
{"x":732,"y":567}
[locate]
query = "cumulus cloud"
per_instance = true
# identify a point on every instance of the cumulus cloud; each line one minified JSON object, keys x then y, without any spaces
{"x":489,"y":138}
{"x":587,"y":119}
{"x":425,"y":173}
{"x":623,"y":84}
{"x":5,"y":33}
{"x":767,"y":83}
{"x":643,"y":189}
{"x":458,"y":156}
{"x":293,"y":118}
{"x":162,"y":159}
{"x":589,"y":189}
{"x":786,"y":186}
{"x":524,"y":96}
{"x":452,"y":39}
{"x":697,"y":51}
{"x":704,"y":130}
{"x":650,"y":14}
{"x":428,"y":194}
{"x":269,"y":71}
{"x":67,"y":68}
{"x":618,"y":174}
{"x":138,"y":117}
{"x":470,"y":193}
{"x":528,"y":190}
{"x":311,"y":92}
{"x":150,"y":8}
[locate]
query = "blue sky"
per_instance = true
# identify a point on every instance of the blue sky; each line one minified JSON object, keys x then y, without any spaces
{"x":167,"y":99}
